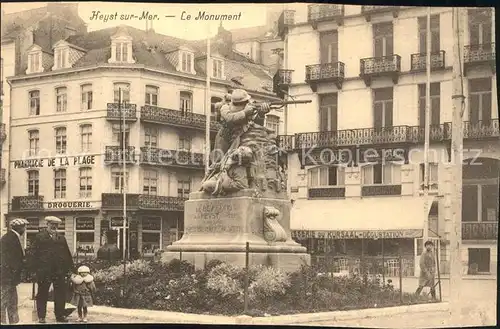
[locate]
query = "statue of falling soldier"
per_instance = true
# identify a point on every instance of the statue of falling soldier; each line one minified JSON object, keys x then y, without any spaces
{"x":246,"y":154}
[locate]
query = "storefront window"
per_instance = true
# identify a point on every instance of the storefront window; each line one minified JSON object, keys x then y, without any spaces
{"x":84,"y":235}
{"x":32,"y":230}
{"x":151,"y":235}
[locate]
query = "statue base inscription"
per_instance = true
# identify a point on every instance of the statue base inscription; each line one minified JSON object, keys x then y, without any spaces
{"x":220,"y":227}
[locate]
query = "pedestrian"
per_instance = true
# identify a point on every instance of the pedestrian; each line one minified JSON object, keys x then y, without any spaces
{"x":83,"y":292}
{"x":427,"y":269}
{"x":52,"y":263}
{"x":12,"y":263}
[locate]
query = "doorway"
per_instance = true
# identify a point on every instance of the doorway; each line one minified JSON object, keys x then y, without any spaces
{"x":479,"y":260}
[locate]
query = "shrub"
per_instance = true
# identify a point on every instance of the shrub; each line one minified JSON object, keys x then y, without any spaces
{"x":268,"y":282}
{"x":138,"y":267}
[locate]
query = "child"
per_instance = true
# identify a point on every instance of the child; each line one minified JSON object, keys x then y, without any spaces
{"x":83,"y":291}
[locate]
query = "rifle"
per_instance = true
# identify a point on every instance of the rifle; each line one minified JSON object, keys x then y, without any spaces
{"x":280,"y":104}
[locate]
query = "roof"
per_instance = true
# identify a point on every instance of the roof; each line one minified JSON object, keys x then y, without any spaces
{"x":13,"y":23}
{"x":252,"y":33}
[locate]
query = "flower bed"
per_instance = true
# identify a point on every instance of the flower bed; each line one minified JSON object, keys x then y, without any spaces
{"x":219,"y":289}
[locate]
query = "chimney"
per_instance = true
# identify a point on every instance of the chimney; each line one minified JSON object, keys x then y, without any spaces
{"x":225,"y":41}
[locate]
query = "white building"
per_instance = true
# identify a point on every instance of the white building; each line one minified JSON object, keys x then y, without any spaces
{"x":363,"y":67}
{"x":65,"y":119}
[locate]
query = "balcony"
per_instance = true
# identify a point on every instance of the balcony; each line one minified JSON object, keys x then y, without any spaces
{"x":285,"y":142}
{"x":378,"y":190}
{"x":115,"y":112}
{"x":3,"y":132}
{"x":323,"y":73}
{"x":480,"y":231}
{"x":281,"y":80}
{"x":188,"y":120}
{"x":368,"y":11}
{"x":419,"y":61}
{"x":287,"y":19}
{"x":27,"y":203}
{"x":172,"y":158}
{"x":114,"y":201}
{"x":3,"y":176}
{"x":114,"y":154}
{"x":326,"y":192}
{"x":317,"y":13}
{"x":380,"y":67}
{"x":480,"y":55}
{"x":482,"y":130}
{"x":437,"y":133}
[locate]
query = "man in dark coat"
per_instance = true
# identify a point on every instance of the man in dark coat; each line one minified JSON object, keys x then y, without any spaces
{"x":52,"y":263}
{"x":427,"y":269}
{"x":12,"y":261}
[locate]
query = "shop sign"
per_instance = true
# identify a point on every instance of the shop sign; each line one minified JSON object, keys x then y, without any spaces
{"x":116,"y":222}
{"x":85,"y":224}
{"x":55,"y":162}
{"x":69,"y":205}
{"x":340,"y":235}
{"x":151,"y":224}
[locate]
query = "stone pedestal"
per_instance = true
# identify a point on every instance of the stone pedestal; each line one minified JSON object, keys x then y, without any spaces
{"x":220,"y":227}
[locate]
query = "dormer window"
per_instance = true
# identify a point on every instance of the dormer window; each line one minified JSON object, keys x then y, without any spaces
{"x":121,"y":49}
{"x":34,"y":60}
{"x":217,"y":68}
{"x":61,"y":57}
{"x":186,"y":62}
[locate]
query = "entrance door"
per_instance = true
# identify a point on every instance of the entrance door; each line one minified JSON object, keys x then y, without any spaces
{"x":479,"y":258}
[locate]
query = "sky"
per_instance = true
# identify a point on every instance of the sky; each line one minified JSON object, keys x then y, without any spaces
{"x":251,"y":15}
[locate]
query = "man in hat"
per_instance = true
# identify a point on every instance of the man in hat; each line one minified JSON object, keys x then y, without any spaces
{"x":427,"y":269}
{"x":51,"y":261}
{"x":12,"y":258}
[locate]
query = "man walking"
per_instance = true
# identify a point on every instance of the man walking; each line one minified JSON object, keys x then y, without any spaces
{"x":51,"y":261}
{"x":12,"y":259}
{"x":427,"y":269}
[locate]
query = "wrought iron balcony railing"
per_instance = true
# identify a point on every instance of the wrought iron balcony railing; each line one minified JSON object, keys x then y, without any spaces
{"x":177,"y":118}
{"x":286,"y":19}
{"x":3,"y":132}
{"x":326,"y":192}
{"x":327,"y":72}
{"x":174,"y":158}
{"x":143,"y":201}
{"x":380,"y":66}
{"x":286,"y":142}
{"x":479,"y":53}
{"x":321,"y":13}
{"x":27,"y":203}
{"x":367,"y":11}
{"x":480,"y":231}
{"x":3,"y":176}
{"x":281,"y":80}
{"x":419,"y":61}
{"x":437,"y":133}
{"x":116,"y":111}
{"x":485,"y":129}
{"x":114,"y":154}
{"x":376,"y":190}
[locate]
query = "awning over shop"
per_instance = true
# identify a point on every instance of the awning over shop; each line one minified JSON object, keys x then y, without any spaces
{"x":368,"y":218}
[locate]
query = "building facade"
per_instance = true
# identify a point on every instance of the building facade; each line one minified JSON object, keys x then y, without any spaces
{"x":111,"y":96}
{"x":356,"y":164}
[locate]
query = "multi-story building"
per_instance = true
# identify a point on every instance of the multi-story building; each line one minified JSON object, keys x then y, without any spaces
{"x":19,"y":31}
{"x":356,"y":163}
{"x":67,"y":115}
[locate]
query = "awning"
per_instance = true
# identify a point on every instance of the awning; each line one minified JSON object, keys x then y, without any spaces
{"x":368,"y":218}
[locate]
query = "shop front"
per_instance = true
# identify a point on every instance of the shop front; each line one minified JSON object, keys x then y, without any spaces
{"x":372,"y":236}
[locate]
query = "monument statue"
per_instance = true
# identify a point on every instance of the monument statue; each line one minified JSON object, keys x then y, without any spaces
{"x":242,"y":197}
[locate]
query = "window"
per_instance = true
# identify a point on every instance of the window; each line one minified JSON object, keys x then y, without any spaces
{"x":61,"y":55}
{"x":422,"y":31}
{"x":186,"y":102}
{"x":61,"y":99}
{"x":273,"y":123}
{"x":33,"y":182}
{"x":117,"y":179}
{"x":217,"y":68}
{"x":34,"y":62}
{"x":383,"y":39}
{"x":118,"y":134}
{"x":151,"y":137}
{"x":184,"y":143}
{"x":183,"y":187}
{"x":32,"y":229}
{"x":329,"y":47}
{"x":61,"y":140}
{"x":480,"y":100}
{"x":381,"y":174}
{"x":34,"y":140}
{"x":382,"y":107}
{"x":151,"y":96}
{"x":151,"y":234}
{"x":435,"y":104}
{"x":328,"y":112}
{"x":121,"y":49}
{"x":150,"y":182}
{"x":326,"y":176}
{"x":84,"y":237}
{"x":60,"y":184}
{"x":213,"y":110}
{"x":86,"y":91}
{"x":121,"y":92}
{"x":480,"y":203}
{"x":433,"y":176}
{"x":85,"y":182}
{"x":86,"y":137}
{"x":186,"y":62}
{"x":480,"y":27}
{"x":34,"y":102}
